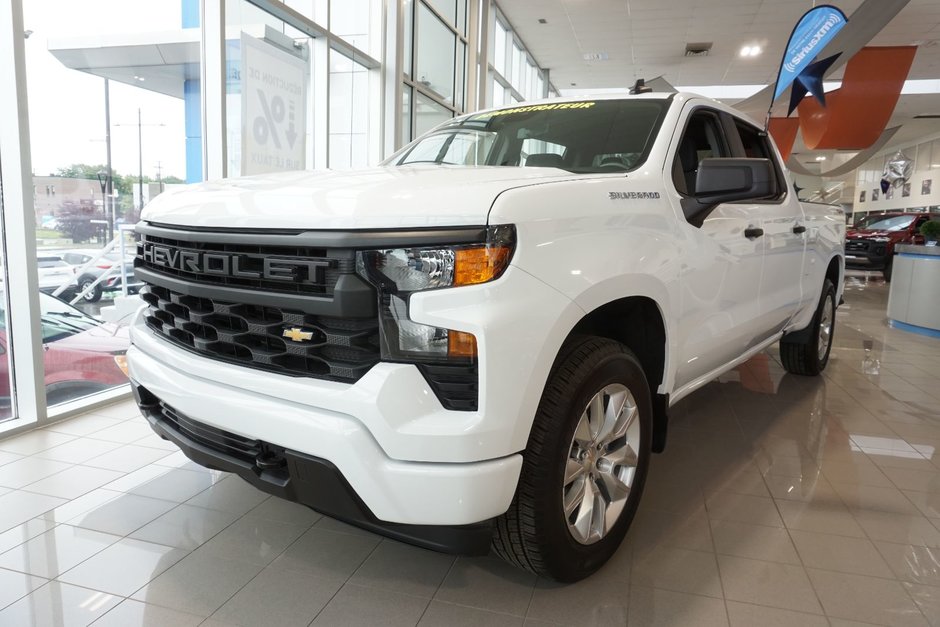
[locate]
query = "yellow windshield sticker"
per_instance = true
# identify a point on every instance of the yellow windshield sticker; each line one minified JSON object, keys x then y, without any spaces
{"x":539,"y":107}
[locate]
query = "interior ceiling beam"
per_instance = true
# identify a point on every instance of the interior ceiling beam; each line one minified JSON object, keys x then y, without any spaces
{"x":855,"y":162}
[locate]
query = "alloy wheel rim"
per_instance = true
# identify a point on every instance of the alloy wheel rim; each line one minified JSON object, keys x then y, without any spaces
{"x":601,"y":464}
{"x":825,"y":329}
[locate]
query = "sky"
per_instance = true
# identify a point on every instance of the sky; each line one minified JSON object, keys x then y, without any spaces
{"x":66,"y":107}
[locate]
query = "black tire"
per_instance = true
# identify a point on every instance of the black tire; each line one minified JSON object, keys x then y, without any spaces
{"x":800,"y":352}
{"x":889,"y":267}
{"x":534,"y":534}
{"x":94,"y":295}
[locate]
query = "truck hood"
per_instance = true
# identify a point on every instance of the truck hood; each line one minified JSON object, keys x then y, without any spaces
{"x":868,"y":234}
{"x":106,"y":338}
{"x":383,"y":197}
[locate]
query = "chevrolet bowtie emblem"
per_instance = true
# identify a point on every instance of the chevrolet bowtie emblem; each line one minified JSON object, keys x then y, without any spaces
{"x":298,"y":335}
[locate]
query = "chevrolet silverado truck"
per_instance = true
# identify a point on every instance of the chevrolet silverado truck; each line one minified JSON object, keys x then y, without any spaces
{"x":475,"y":346}
{"x":869,"y":244}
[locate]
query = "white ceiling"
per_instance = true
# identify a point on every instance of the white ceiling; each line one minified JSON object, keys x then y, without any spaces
{"x":647,"y":38}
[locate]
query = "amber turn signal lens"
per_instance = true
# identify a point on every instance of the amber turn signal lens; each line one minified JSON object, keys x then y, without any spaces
{"x":460,"y":344}
{"x":121,"y":361}
{"x":479,"y":265}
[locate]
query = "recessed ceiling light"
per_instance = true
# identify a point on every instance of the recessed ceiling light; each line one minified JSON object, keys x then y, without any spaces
{"x":750,"y":51}
{"x":821,"y":158}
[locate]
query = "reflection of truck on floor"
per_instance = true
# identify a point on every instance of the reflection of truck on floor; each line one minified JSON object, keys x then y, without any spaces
{"x":869,"y":244}
{"x":475,"y":346}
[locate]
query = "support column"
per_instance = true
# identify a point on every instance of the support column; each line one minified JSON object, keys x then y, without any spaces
{"x":19,"y":226}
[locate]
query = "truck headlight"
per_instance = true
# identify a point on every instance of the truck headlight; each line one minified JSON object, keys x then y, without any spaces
{"x":400,"y":272}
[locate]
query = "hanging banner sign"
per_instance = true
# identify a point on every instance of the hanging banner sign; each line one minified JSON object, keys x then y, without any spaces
{"x":274,"y":97}
{"x":815,"y":29}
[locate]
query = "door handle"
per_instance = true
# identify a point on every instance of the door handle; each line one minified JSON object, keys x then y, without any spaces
{"x":753,"y":232}
{"x":799,"y":228}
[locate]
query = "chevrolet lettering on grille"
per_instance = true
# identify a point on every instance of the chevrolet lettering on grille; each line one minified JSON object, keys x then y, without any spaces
{"x":235,"y":265}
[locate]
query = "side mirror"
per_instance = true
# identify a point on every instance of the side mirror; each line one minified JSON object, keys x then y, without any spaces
{"x":727,"y":180}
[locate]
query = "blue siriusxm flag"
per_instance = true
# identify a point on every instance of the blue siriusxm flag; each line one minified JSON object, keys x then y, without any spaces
{"x":814,"y":30}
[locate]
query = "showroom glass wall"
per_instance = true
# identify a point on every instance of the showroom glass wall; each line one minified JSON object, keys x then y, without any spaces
{"x":342,"y":84}
{"x":108,"y":103}
{"x":298,"y":95}
{"x":513,"y":75}
{"x":435,"y":43}
{"x":7,"y":397}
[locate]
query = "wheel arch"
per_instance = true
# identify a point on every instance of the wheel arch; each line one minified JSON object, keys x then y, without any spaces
{"x":835,"y":272}
{"x":639,"y":323}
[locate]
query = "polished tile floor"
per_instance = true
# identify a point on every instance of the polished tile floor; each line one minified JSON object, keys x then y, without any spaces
{"x":780,"y":501}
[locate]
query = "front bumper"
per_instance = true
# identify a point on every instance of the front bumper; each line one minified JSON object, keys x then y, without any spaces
{"x":395,"y":491}
{"x":874,"y":256}
{"x":295,"y":476}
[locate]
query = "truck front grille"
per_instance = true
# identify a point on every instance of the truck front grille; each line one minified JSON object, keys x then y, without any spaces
{"x":856,"y":245}
{"x":297,"y":269}
{"x":269,"y":338}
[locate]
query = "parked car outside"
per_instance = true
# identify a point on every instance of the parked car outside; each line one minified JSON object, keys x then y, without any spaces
{"x":89,"y":275}
{"x":53,"y":273}
{"x":870,"y":243}
{"x":81,"y":354}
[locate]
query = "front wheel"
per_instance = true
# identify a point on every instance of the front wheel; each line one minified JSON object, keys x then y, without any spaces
{"x":808,"y":353}
{"x":584,"y":466}
{"x":94,"y":294}
{"x":889,"y":267}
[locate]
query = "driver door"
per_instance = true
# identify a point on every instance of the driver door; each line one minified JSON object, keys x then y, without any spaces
{"x":720,"y":279}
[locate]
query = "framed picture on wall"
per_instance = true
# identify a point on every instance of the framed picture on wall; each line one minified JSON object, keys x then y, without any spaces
{"x":890,"y":193}
{"x":874,"y":194}
{"x":861,"y":196}
{"x":925,"y":187}
{"x":906,"y":190}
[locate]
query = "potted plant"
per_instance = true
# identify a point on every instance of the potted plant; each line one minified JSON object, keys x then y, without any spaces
{"x":931,"y":231}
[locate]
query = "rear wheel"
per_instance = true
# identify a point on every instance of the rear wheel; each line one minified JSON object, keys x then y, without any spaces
{"x":808,"y":353}
{"x":584,"y":466}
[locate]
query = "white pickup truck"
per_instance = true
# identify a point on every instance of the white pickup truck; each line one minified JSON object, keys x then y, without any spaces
{"x":475,"y":345}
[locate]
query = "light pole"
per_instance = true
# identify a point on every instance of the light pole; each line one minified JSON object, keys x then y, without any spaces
{"x":140,"y":154}
{"x":104,"y":179}
{"x":108,"y":188}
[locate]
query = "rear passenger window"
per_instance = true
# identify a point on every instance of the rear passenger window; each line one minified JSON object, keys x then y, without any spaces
{"x":755,"y":145}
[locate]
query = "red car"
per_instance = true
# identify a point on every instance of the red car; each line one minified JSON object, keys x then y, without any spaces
{"x":869,"y":244}
{"x":81,"y":354}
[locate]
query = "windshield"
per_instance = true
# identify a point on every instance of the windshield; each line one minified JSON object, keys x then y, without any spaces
{"x":604,"y":136}
{"x":885,"y":223}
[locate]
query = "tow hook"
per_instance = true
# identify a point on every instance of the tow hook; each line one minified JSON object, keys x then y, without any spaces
{"x":270,"y":460}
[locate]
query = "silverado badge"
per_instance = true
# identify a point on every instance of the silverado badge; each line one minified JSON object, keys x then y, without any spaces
{"x":297,"y":334}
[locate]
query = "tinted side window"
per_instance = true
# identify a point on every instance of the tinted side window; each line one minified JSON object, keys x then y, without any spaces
{"x":755,"y":146}
{"x":702,"y":139}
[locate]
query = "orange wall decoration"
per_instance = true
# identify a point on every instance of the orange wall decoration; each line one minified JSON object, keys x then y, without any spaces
{"x":856,"y":114}
{"x":783,"y":130}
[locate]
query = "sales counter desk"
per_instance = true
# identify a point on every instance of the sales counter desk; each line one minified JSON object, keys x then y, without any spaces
{"x":914,"y":300}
